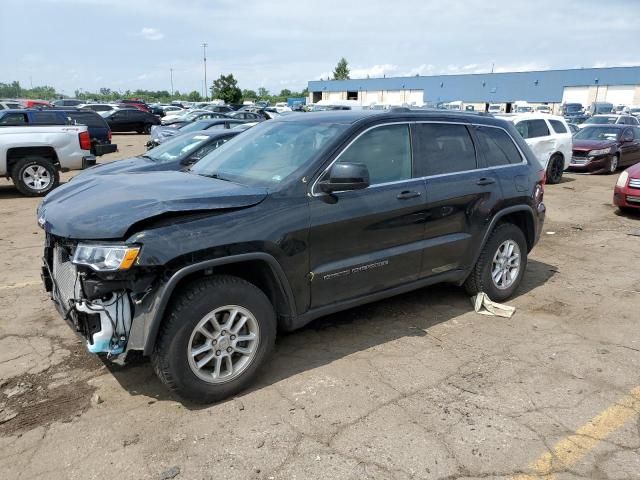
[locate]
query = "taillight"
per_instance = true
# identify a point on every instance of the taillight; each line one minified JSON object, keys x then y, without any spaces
{"x":538,"y":192}
{"x":109,"y":136}
{"x":85,"y":140}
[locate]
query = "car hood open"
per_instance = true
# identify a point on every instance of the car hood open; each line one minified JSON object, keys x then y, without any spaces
{"x":106,"y":206}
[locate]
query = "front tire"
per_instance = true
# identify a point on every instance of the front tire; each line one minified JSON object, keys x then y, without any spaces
{"x":613,"y":164}
{"x":501,"y":265}
{"x":214,"y":339}
{"x":555,"y":169}
{"x":35,"y":176}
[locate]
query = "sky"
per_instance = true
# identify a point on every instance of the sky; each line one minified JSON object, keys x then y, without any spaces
{"x":277,"y":44}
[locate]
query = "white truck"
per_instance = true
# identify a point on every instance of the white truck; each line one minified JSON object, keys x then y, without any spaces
{"x":32,"y":157}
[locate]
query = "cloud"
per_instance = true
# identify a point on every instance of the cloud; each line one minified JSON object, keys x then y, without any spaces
{"x":149,"y":33}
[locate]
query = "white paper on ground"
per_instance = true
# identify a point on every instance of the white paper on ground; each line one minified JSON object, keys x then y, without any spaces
{"x":483,"y":305}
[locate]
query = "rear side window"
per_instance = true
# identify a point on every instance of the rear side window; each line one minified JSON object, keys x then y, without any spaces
{"x":497,"y":147}
{"x":88,"y":119}
{"x":443,"y":148}
{"x":558,"y":126}
{"x":48,"y":118}
{"x":386,"y":151}
{"x":532,"y":128}
{"x":14,"y":119}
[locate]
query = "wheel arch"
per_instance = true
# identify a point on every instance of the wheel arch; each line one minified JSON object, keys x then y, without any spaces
{"x":259,"y":269}
{"x":14,"y":155}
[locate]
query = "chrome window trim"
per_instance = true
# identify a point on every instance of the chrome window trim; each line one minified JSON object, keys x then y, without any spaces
{"x":313,"y":192}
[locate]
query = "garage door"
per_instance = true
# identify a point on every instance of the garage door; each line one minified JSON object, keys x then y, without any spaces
{"x":620,"y":94}
{"x":576,"y":95}
{"x":393,"y":97}
{"x":414,"y":97}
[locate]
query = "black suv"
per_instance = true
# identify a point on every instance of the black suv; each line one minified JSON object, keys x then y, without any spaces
{"x":131,"y":119}
{"x":294,"y":219}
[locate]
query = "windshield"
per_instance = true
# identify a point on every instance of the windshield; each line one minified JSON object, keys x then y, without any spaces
{"x":177,"y":148}
{"x":524,"y":109}
{"x":634,"y":110}
{"x":573,"y":108}
{"x":494,"y":107}
{"x":601,"y":120}
{"x":597,"y":133}
{"x":195,"y":126}
{"x":268,"y":153}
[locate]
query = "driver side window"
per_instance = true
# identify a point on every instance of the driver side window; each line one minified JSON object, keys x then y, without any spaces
{"x":386,"y":151}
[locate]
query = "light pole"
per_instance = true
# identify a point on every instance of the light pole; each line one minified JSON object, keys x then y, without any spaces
{"x":204,"y":50}
{"x":171,"y":72}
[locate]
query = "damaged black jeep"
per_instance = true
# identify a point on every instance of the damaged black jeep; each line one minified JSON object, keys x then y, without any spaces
{"x":295,"y":219}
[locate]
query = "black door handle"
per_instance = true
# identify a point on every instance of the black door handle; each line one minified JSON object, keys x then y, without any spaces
{"x":486,"y":181}
{"x":404,"y":195}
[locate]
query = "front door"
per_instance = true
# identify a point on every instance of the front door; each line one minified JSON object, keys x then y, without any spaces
{"x":369,"y":240}
{"x":630,"y":146}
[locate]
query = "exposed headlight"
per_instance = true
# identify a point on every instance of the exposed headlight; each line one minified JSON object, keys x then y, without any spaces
{"x":602,"y":151}
{"x":106,"y":258}
{"x":622,"y":179}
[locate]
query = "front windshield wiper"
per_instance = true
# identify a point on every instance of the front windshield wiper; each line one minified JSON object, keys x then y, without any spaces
{"x":212,"y":175}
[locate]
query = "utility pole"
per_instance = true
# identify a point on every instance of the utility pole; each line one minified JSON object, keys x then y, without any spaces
{"x":204,"y":50}
{"x":171,"y":71}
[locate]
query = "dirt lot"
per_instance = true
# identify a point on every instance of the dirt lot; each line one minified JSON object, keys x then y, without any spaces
{"x":418,"y":386}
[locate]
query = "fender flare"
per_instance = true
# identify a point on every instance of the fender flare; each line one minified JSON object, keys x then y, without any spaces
{"x":167,"y":290}
{"x":497,"y":217}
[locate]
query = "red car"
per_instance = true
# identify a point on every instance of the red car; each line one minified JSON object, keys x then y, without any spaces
{"x":626,"y":194}
{"x":605,"y":148}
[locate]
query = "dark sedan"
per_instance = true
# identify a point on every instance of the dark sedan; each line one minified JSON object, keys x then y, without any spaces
{"x":175,"y":154}
{"x":605,"y":148}
{"x":162,"y":133}
{"x":130,"y":120}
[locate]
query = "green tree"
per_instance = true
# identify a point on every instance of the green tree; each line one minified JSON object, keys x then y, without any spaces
{"x":285,"y":92}
{"x":194,"y":96}
{"x":263,"y":93}
{"x":342,"y":70}
{"x":226,"y":88}
{"x":249,"y":94}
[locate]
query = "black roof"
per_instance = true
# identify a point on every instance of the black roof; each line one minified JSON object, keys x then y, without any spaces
{"x":353,"y":116}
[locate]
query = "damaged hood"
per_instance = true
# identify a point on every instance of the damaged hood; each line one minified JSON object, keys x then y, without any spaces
{"x":119,"y":166}
{"x":106,"y":206}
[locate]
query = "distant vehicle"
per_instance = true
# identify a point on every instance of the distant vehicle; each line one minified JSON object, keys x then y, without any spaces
{"x":241,"y":127}
{"x":632,"y":110}
{"x":131,"y":121}
{"x":605,"y":148}
{"x":171,"y":117}
{"x":573,"y":128}
{"x":251,"y":116}
{"x":598,"y":108}
{"x":543,"y":109}
{"x":192,"y":117}
{"x":610,"y":120}
{"x":98,"y":107}
{"x":10,"y":105}
{"x":618,"y":109}
{"x":573,"y":113}
{"x":67,"y":102}
{"x":626,"y":193}
{"x":35,"y":103}
{"x":282,"y":107}
{"x":32,"y":156}
{"x":99,"y":130}
{"x":522,"y":106}
{"x":218,"y":108}
{"x":494,"y":108}
{"x":136,"y":102}
{"x":22,"y":117}
{"x":550,"y":139}
{"x":160,"y":134}
{"x":175,"y":154}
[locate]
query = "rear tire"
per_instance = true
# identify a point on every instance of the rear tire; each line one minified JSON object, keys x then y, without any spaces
{"x":35,"y":176}
{"x":481,"y":278}
{"x":555,"y":169}
{"x":146,"y":129}
{"x":190,"y":326}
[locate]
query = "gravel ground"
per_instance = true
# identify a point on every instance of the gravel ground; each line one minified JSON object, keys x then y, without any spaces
{"x":418,"y":386}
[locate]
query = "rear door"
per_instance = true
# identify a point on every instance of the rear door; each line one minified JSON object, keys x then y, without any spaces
{"x":369,"y":240}
{"x":461,"y":194}
{"x":537,"y":135}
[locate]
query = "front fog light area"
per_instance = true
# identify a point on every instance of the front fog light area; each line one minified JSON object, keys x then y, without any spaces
{"x":105,"y":258}
{"x":107,"y":323}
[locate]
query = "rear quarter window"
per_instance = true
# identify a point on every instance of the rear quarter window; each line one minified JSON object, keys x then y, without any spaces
{"x":497,"y":147}
{"x":532,"y":128}
{"x":558,"y":126}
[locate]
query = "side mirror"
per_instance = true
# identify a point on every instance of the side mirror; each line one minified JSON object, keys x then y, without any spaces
{"x":345,"y":176}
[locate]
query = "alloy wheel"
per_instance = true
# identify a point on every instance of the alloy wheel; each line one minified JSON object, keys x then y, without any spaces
{"x":223,"y":344}
{"x":36,"y":177}
{"x":505,"y":266}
